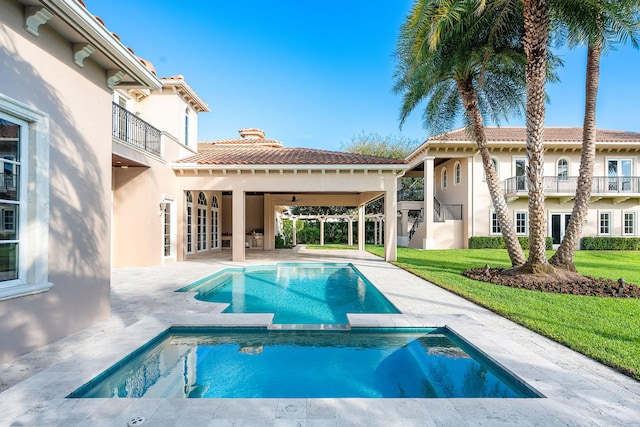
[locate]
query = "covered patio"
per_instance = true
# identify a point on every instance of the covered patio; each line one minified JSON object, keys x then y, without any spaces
{"x":255,"y":178}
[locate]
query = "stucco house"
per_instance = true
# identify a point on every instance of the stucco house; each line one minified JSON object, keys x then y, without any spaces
{"x":102,"y":168}
{"x":455,"y":203}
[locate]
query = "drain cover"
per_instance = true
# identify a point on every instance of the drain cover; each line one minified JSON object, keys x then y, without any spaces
{"x":137,"y":421}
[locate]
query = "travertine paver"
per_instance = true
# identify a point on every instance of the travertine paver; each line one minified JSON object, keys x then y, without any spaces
{"x":577,"y":390}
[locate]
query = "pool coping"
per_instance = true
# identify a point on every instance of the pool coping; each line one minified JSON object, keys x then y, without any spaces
{"x":577,"y":390}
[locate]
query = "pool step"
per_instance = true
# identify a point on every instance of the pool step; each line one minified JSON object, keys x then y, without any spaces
{"x":310,"y":327}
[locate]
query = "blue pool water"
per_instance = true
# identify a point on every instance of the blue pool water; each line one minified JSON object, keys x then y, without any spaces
{"x":257,"y":363}
{"x":296,"y":293}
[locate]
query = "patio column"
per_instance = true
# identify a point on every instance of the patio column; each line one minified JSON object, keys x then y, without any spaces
{"x":375,"y":231}
{"x":294,"y":239}
{"x":350,"y":228}
{"x":238,"y":226}
{"x":390,"y":225}
{"x":429,"y":194}
{"x":361,"y":235}
{"x":404,"y":222}
{"x":321,"y":231}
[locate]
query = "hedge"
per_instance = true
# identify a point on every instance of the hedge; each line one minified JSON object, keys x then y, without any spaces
{"x":497,"y":242}
{"x":610,"y":243}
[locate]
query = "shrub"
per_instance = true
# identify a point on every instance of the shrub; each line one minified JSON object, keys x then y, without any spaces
{"x":610,"y":243}
{"x":497,"y":242}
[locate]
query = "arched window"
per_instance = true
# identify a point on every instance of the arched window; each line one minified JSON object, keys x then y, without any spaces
{"x":189,"y":220}
{"x":457,"y":173}
{"x":443,"y":177}
{"x":202,"y":222}
{"x":563,"y":169}
{"x":215,"y":215}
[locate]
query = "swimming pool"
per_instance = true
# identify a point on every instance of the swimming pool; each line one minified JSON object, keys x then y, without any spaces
{"x":259,"y":363}
{"x":297,"y":293}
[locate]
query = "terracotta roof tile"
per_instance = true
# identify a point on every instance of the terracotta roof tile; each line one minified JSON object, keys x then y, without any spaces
{"x":270,"y":155}
{"x":551,"y":134}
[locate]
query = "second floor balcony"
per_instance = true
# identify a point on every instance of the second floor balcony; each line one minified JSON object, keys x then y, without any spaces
{"x":617,"y":188}
{"x":132,"y":130}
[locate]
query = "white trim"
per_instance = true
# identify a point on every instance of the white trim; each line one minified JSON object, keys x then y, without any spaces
{"x":173,"y":224}
{"x":457,"y":177}
{"x":634,"y":225}
{"x":526,"y":222}
{"x":444,"y":178}
{"x":394,"y":168}
{"x":610,"y":214}
{"x":34,"y":212}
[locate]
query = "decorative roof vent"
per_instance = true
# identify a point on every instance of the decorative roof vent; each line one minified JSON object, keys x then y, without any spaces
{"x":252,"y":133}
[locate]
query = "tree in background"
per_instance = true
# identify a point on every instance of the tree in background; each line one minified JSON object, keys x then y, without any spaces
{"x":450,"y":59}
{"x":598,"y":25}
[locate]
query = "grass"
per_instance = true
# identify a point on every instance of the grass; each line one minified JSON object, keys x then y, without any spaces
{"x":605,"y":329}
{"x":332,"y":246}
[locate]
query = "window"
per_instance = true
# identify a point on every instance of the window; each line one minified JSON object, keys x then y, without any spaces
{"x":629,"y":224}
{"x":189,"y":220}
{"x":605,"y":225}
{"x":10,"y":198}
{"x":520,"y":166}
{"x":619,"y":175}
{"x":457,"y":173}
{"x":521,"y":222}
{"x":202,"y":222}
{"x":215,"y":215}
{"x":495,"y":224}
{"x":24,"y":221}
{"x":563,"y":169}
{"x":186,"y":127}
{"x":166,"y":211}
{"x":443,"y":182}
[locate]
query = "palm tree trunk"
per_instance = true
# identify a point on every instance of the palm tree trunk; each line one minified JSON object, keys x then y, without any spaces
{"x":564,"y":256}
{"x":536,"y":33}
{"x":469,"y":98}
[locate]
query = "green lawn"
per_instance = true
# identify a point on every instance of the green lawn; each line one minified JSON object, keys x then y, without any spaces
{"x":606,"y":329}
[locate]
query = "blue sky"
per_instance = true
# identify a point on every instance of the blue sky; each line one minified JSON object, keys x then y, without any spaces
{"x":316,"y":73}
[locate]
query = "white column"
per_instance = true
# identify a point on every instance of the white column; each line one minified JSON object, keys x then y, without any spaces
{"x":375,"y":231}
{"x":350,"y":228}
{"x":238,"y":226}
{"x":404,"y":223}
{"x":321,"y":231}
{"x":429,"y":194}
{"x":268,"y":242}
{"x":390,"y":225}
{"x":294,"y":238}
{"x":361,"y":234}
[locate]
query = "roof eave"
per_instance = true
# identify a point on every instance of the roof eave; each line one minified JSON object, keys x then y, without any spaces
{"x":397,"y":167}
{"x":81,"y":20}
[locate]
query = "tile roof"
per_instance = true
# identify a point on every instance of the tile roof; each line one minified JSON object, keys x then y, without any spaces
{"x":250,"y":154}
{"x":551,"y":134}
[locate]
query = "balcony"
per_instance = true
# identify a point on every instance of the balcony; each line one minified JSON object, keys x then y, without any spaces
{"x":411,"y":195}
{"x":619,"y":188}
{"x":132,"y":130}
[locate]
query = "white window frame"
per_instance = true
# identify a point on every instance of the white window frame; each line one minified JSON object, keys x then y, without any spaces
{"x":634,"y":223}
{"x":457,"y":173}
{"x":494,"y":224}
{"x":563,"y":177}
{"x":609,"y":215}
{"x":516,"y":214}
{"x":188,"y":223}
{"x":214,"y":230}
{"x":33,"y":219}
{"x":443,"y":178}
{"x":170,"y":202}
{"x":201,"y":223}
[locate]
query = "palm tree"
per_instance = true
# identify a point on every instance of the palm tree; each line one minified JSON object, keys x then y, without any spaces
{"x":448,"y":57}
{"x":609,"y":21}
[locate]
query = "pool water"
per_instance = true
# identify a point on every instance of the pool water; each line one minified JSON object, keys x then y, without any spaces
{"x":296,"y":293}
{"x":259,"y":363}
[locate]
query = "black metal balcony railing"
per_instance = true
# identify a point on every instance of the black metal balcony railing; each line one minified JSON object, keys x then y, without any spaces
{"x":411,"y":195}
{"x":568,"y":185}
{"x":131,"y":129}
